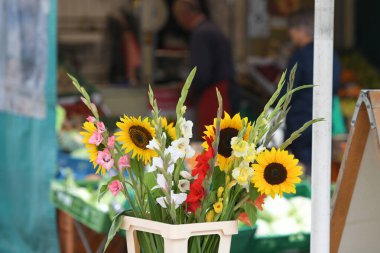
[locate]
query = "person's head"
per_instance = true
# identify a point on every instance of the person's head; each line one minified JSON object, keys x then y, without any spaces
{"x":301,"y":28}
{"x":188,"y":13}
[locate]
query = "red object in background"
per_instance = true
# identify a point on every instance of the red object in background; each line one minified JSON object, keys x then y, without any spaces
{"x":270,"y":72}
{"x":166,"y":96}
{"x":78,"y":108}
{"x":284,"y":7}
{"x":208,"y":105}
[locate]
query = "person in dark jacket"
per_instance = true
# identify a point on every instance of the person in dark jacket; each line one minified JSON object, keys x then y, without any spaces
{"x":301,"y":32}
{"x":210,"y":52}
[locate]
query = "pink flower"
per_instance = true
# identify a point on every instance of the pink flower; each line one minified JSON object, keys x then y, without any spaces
{"x":111,"y":142}
{"x":115,"y":187}
{"x":100,"y":126}
{"x":96,"y":138}
{"x":124,"y":162}
{"x":105,"y":159}
{"x":90,"y":119}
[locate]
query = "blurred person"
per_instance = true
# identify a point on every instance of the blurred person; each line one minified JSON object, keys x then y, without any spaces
{"x":301,"y":32}
{"x":210,"y":52}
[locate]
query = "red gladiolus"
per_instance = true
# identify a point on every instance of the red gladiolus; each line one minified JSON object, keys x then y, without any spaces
{"x":196,"y":187}
{"x":193,"y":206}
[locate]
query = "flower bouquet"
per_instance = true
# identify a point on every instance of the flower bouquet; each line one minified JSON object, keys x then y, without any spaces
{"x":232,"y":176}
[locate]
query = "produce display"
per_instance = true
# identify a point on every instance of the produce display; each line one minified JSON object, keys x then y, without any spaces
{"x":282,"y":216}
{"x":358,"y":70}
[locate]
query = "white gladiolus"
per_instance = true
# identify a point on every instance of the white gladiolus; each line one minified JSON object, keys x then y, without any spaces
{"x":170,"y":168}
{"x":157,"y":163}
{"x":161,"y":201}
{"x":153,"y":144}
{"x":187,"y":128}
{"x":178,"y":198}
{"x":161,"y":183}
{"x":186,"y":175}
{"x":184,"y":185}
{"x":180,"y":149}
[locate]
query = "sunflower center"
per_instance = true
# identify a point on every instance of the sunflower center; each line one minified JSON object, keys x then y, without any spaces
{"x":140,"y":136}
{"x":226,"y":135}
{"x":275,"y":173}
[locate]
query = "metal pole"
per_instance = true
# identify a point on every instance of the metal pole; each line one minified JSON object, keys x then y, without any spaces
{"x":322,"y":107}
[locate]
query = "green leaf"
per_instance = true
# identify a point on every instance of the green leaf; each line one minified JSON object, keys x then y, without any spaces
{"x":253,"y":193}
{"x":298,"y":133}
{"x":115,"y":227}
{"x":103,"y":189}
{"x":207,"y":203}
{"x":150,"y":181}
{"x":251,"y":211}
{"x":155,"y":210}
{"x":135,"y":165}
{"x":218,"y":179}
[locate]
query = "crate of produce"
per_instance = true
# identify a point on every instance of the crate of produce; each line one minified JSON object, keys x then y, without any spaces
{"x":95,"y":218}
{"x":284,"y":225}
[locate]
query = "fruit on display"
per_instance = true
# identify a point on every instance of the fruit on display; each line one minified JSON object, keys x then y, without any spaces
{"x":357,"y":69}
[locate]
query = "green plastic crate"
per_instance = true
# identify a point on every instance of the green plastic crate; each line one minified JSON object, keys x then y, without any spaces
{"x":276,"y":244}
{"x":241,"y":242}
{"x":303,"y":189}
{"x":81,"y":211}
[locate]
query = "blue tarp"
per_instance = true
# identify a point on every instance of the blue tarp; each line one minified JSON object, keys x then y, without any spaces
{"x":28,"y":162}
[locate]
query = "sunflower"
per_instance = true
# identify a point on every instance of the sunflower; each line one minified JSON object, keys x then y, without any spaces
{"x":169,"y":130}
{"x":229,"y":128}
{"x":276,"y":172}
{"x":92,"y":149}
{"x":135,"y":135}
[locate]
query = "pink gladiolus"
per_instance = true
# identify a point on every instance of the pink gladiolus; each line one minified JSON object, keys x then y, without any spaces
{"x":124,"y":162}
{"x":100,"y":126}
{"x":111,"y":142}
{"x":90,"y":119}
{"x":115,"y":187}
{"x":96,"y":138}
{"x":105,"y":159}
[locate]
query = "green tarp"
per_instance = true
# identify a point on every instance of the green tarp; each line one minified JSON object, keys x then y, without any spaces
{"x":27,"y":164}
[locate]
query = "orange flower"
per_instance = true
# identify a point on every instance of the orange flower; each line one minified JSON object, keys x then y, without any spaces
{"x":259,"y":201}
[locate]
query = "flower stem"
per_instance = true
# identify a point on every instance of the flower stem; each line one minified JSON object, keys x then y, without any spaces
{"x":241,"y":202}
